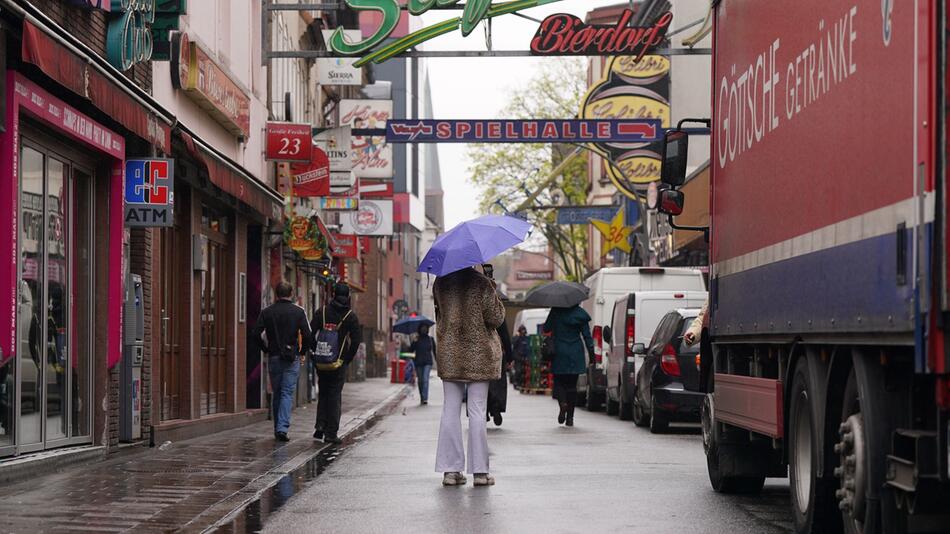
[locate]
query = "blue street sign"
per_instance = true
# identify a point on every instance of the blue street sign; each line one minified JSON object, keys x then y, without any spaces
{"x":524,"y":131}
{"x":583,"y":214}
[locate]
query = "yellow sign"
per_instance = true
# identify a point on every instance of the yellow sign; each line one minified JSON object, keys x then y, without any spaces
{"x":625,"y":92}
{"x":616,"y":234}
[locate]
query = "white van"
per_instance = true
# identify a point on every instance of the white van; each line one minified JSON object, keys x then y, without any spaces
{"x":531,"y":319}
{"x":606,"y":286}
{"x":633,"y":322}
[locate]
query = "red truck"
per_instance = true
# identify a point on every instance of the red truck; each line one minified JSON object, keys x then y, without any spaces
{"x":825,"y":356}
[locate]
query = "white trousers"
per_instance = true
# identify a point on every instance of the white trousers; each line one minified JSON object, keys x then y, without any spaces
{"x":450,"y":456}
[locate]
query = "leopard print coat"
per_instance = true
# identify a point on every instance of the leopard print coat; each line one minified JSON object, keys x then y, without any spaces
{"x":467,"y":311}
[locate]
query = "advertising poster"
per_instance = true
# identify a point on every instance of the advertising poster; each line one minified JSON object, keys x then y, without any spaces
{"x":372,"y":156}
{"x":374,"y":217}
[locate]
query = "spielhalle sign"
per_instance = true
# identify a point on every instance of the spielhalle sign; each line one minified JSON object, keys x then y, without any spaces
{"x":523,"y":131}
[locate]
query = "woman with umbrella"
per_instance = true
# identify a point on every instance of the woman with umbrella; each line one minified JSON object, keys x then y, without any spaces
{"x":424,"y":348}
{"x":467,"y":313}
{"x":570,"y":326}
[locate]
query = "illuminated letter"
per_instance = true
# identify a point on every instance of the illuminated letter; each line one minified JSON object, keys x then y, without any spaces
{"x":390,"y":12}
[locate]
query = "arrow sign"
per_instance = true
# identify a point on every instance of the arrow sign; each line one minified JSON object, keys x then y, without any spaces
{"x":523,"y":131}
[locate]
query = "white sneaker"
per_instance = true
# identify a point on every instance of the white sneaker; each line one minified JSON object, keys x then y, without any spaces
{"x":484,"y":479}
{"x":453,"y":479}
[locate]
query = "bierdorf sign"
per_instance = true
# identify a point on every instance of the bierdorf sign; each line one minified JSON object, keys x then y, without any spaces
{"x":566,"y":35}
{"x":149,"y":195}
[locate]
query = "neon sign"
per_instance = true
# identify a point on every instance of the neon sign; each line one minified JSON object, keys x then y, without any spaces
{"x":473,"y":13}
{"x":129,"y":38}
{"x":566,"y":35}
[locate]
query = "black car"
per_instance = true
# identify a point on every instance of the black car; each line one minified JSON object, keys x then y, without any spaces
{"x":668,"y":381}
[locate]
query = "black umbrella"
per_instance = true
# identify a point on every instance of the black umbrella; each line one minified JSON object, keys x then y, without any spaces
{"x":557,"y":295}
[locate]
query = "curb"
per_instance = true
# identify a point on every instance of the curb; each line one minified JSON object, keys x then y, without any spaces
{"x":238,"y":501}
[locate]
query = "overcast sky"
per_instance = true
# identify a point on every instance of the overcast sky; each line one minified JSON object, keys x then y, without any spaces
{"x":478,"y":88}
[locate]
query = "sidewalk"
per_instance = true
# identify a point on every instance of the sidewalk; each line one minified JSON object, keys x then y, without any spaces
{"x":190,"y":485}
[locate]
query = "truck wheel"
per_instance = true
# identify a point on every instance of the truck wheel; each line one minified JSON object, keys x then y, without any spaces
{"x":640,"y":417}
{"x":625,"y":409}
{"x":659,"y":422}
{"x":812,"y":506}
{"x":715,"y":451}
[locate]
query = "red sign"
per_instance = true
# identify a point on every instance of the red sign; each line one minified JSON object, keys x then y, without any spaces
{"x":375,"y":189}
{"x":312,"y":179}
{"x":347,"y":246}
{"x":287,"y":141}
{"x":566,"y":35}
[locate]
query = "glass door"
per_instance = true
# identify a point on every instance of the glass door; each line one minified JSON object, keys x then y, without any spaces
{"x":54,"y":291}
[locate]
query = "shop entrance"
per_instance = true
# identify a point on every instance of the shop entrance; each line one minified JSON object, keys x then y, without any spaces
{"x":215,"y":318}
{"x":54,"y":303}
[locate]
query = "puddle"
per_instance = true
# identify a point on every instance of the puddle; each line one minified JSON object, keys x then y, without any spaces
{"x":256,"y":514}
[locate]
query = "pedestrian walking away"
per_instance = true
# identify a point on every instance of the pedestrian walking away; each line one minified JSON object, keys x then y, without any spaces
{"x":498,"y":388}
{"x":571,"y":330}
{"x":468,"y":312}
{"x":424,"y":348}
{"x":520,"y":352}
{"x":336,"y":331}
{"x":287,"y":341}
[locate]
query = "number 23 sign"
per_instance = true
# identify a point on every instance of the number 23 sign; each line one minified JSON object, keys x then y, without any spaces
{"x":287,"y":141}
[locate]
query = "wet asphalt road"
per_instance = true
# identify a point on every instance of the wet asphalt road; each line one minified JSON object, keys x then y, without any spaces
{"x":604,"y":475}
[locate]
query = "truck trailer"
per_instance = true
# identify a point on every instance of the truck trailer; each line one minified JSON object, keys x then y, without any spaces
{"x":825,"y":356}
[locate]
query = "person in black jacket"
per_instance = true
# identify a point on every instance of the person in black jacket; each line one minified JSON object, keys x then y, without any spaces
{"x":424,"y":347}
{"x":330,"y":381}
{"x":288,"y":338}
{"x":498,"y":388}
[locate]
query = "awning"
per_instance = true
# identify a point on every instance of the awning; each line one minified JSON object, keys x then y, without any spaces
{"x":231,"y":180}
{"x":74,"y":73}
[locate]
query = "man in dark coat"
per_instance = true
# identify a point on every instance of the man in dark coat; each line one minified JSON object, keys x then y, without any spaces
{"x":498,"y":389}
{"x":330,"y":382}
{"x":285,"y":323}
{"x":424,"y":348}
{"x":521,"y":353}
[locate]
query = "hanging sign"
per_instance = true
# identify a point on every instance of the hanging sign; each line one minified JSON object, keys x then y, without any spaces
{"x":312,"y":179}
{"x":339,"y":70}
{"x":566,"y":35}
{"x":336,"y":143}
{"x":347,"y":246}
{"x":616,"y":233}
{"x":376,"y":189}
{"x":211,"y":87}
{"x":473,"y":13}
{"x":523,"y":131}
{"x":129,"y":37}
{"x":374,"y":217}
{"x":339,"y":203}
{"x":584,"y":214}
{"x":372,"y":156}
{"x":287,"y":141}
{"x":300,"y":233}
{"x":149,"y":194}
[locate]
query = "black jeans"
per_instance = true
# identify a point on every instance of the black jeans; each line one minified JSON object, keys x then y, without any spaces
{"x":329,"y":400}
{"x":565,"y":389}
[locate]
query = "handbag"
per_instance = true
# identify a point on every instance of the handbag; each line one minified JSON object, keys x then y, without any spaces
{"x":548,"y":348}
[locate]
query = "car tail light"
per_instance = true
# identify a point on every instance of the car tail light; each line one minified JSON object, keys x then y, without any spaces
{"x":652,"y":270}
{"x":678,"y":295}
{"x":631,"y":332}
{"x":598,"y":335}
{"x":668,"y":361}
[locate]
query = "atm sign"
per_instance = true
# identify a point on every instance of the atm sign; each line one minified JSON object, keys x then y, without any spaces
{"x":149,"y":192}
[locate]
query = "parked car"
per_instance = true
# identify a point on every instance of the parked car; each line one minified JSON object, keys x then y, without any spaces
{"x":531,"y":319}
{"x":634,"y":321}
{"x":606,"y":285}
{"x":668,"y":384}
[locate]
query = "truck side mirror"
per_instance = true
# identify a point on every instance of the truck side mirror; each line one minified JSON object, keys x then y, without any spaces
{"x":608,"y":335}
{"x":639,"y":348}
{"x":671,"y":202}
{"x":675,"y":150}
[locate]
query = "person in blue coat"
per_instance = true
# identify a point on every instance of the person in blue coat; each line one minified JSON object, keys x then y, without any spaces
{"x":571,"y":330}
{"x":424,"y":347}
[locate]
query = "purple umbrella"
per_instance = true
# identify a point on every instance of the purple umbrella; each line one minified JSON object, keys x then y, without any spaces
{"x":472,"y":243}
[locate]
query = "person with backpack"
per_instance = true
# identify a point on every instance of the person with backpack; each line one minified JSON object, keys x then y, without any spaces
{"x":288,"y":338}
{"x":336,"y":332}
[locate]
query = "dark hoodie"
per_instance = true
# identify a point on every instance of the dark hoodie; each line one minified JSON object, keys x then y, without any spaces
{"x":335,"y":311}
